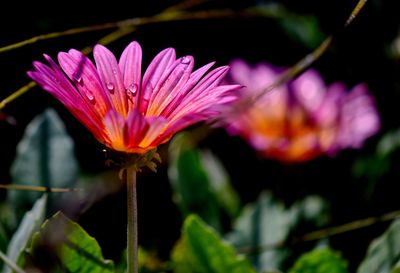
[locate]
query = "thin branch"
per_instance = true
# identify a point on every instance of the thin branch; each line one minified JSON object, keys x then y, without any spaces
{"x":10,"y":263}
{"x":113,"y":36}
{"x":140,"y":21}
{"x":305,"y":62}
{"x":37,"y":188}
{"x":17,"y":93}
{"x":324,"y":233}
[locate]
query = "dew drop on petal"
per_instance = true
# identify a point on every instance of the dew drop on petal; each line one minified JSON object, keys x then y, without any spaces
{"x":110,"y":86}
{"x":132,"y":89}
{"x":185,"y":60}
{"x":77,"y":77}
{"x":89,"y":94}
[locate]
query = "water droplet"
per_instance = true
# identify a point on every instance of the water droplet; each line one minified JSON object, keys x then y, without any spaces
{"x":77,"y":77}
{"x":132,"y":89}
{"x":89,"y":94}
{"x":110,"y":86}
{"x":185,"y":60}
{"x":114,"y":71}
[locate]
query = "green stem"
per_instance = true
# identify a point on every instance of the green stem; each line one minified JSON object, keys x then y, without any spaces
{"x":132,"y":240}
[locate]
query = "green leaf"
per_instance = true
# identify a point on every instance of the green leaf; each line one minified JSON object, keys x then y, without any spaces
{"x":384,"y":252}
{"x":268,"y":223}
{"x":201,"y":250}
{"x":374,"y":166}
{"x":396,"y":268}
{"x":30,"y":223}
{"x":44,"y":157}
{"x":320,"y":260}
{"x":220,"y":183}
{"x":74,"y":248}
{"x":200,"y":183}
{"x":304,"y":29}
{"x":301,"y":28}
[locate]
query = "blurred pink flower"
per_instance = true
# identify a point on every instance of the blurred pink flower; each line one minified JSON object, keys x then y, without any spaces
{"x":303,"y":119}
{"x":122,"y":110}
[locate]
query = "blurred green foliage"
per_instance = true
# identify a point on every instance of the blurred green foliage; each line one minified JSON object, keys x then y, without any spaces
{"x":45,"y":157}
{"x":200,"y":184}
{"x":74,"y":249}
{"x":22,"y":237}
{"x":201,"y":250}
{"x":267,"y":224}
{"x":384,"y":252}
{"x":320,"y":260}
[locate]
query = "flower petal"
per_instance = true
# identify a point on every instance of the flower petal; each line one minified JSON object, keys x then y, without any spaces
{"x":192,"y":81}
{"x":181,"y":123}
{"x":84,"y":74}
{"x":114,"y":124}
{"x":130,"y":64}
{"x":56,"y":83}
{"x":205,"y":100}
{"x":157,"y":126}
{"x":309,"y":90}
{"x":153,"y":75}
{"x":111,"y":78}
{"x":172,"y":86}
{"x":135,"y":129}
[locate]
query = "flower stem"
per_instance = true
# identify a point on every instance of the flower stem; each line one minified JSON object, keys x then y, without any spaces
{"x":132,"y":239}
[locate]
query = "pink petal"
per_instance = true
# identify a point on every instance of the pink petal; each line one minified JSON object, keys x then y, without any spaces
{"x":157,"y":125}
{"x":172,"y":86}
{"x":182,"y":123}
{"x":240,"y":72}
{"x":135,"y":129}
{"x":114,"y":124}
{"x":82,"y":71}
{"x":193,"y":79}
{"x":203,"y":101}
{"x":309,"y":90}
{"x":130,"y":64}
{"x":210,"y":81}
{"x":56,"y":83}
{"x":153,"y":75}
{"x":111,"y":78}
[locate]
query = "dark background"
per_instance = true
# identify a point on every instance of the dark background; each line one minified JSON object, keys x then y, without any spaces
{"x":359,"y":54}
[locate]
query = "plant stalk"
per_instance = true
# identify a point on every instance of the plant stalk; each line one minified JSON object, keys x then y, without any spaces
{"x":132,"y":229}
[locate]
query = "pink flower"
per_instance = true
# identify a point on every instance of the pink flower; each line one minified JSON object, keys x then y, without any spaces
{"x":122,"y":110}
{"x":303,"y":119}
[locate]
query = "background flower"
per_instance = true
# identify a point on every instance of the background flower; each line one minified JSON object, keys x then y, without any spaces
{"x":303,"y":119}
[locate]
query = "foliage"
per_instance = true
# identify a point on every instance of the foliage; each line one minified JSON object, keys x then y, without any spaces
{"x":320,"y":260}
{"x":30,"y":223}
{"x":75,"y":250}
{"x":200,"y":183}
{"x":267,"y":223}
{"x":45,"y":157}
{"x":201,"y":250}
{"x":384,"y":252}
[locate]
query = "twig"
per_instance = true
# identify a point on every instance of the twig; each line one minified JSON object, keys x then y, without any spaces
{"x":324,"y":233}
{"x":305,"y":62}
{"x":16,"y":94}
{"x":37,"y":188}
{"x":10,"y":263}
